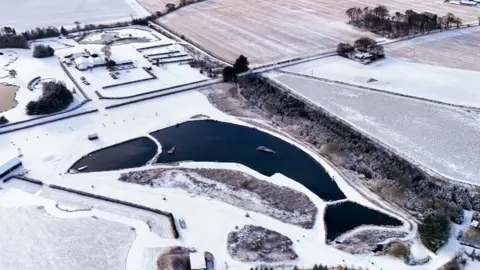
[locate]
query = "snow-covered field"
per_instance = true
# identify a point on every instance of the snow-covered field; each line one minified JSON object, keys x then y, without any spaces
{"x":28,"y":14}
{"x":269,"y":31}
{"x":439,"y":137}
{"x":264,"y":31}
{"x":27,"y":68}
{"x":448,"y":85}
{"x":45,"y":160}
{"x":36,"y":238}
{"x":455,"y":49}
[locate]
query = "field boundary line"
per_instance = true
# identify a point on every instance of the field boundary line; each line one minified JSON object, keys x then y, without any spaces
{"x":47,"y":121}
{"x":379,"y":90}
{"x":430,"y":171}
{"x":100,"y":96}
{"x":162,"y":93}
{"x":103,"y":198}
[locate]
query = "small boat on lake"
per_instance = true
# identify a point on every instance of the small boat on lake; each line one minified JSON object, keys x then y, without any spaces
{"x":82,"y":168}
{"x":265,"y":149}
{"x":172,"y":150}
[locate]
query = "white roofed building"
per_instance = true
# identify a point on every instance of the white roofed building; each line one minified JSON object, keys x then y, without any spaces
{"x":8,"y":166}
{"x":86,"y":62}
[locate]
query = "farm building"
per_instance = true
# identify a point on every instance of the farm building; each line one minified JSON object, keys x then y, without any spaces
{"x":474,"y":224}
{"x":9,"y":166}
{"x":86,"y":62}
{"x":197,"y":261}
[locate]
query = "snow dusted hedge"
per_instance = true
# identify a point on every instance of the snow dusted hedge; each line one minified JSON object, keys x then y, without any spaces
{"x":3,"y":120}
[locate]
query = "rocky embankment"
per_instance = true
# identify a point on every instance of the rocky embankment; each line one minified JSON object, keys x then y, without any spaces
{"x":257,"y":244}
{"x":235,"y":188}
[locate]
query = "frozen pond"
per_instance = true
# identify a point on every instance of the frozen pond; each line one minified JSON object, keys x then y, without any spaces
{"x":441,"y":138}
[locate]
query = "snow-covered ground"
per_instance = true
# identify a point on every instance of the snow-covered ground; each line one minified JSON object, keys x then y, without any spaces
{"x":168,"y":75}
{"x":28,"y":14}
{"x":27,"y":68}
{"x":139,"y":33}
{"x":35,"y":235}
{"x":439,"y":137}
{"x":45,"y":160}
{"x":454,"y":86}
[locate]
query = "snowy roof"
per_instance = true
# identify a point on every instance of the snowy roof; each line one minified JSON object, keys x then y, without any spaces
{"x":362,"y":55}
{"x":83,"y":63}
{"x":197,"y":261}
{"x":7,"y":165}
{"x":474,"y":223}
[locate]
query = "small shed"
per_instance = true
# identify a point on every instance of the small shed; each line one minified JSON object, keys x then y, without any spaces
{"x":9,"y":166}
{"x":197,"y":261}
{"x":93,"y":136}
{"x":474,"y":224}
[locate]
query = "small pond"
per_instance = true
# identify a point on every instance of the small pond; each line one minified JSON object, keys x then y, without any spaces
{"x":214,"y":141}
{"x":345,"y":216}
{"x":128,"y":154}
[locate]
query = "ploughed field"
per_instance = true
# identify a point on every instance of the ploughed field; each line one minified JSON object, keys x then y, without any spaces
{"x":264,"y":31}
{"x":455,"y":49}
{"x":271,"y":31}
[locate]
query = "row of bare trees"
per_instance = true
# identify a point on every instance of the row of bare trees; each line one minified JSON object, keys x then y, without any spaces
{"x":379,"y":20}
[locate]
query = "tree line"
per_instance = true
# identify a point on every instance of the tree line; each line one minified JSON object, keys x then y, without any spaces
{"x":379,"y":20}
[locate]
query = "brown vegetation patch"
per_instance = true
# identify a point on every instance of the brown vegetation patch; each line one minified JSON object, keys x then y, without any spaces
{"x":235,"y":188}
{"x":174,"y":258}
{"x":254,"y":243}
{"x":7,"y":97}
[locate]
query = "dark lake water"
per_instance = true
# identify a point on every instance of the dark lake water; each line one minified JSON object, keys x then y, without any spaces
{"x":129,"y":154}
{"x":343,"y":217}
{"x":224,"y":142}
{"x":213,"y":141}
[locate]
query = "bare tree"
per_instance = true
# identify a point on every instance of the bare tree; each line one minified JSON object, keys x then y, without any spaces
{"x":107,"y":50}
{"x":77,"y":23}
{"x":351,"y":12}
{"x":12,"y":73}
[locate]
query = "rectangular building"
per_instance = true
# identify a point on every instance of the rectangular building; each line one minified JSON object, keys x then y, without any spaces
{"x":9,"y":165}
